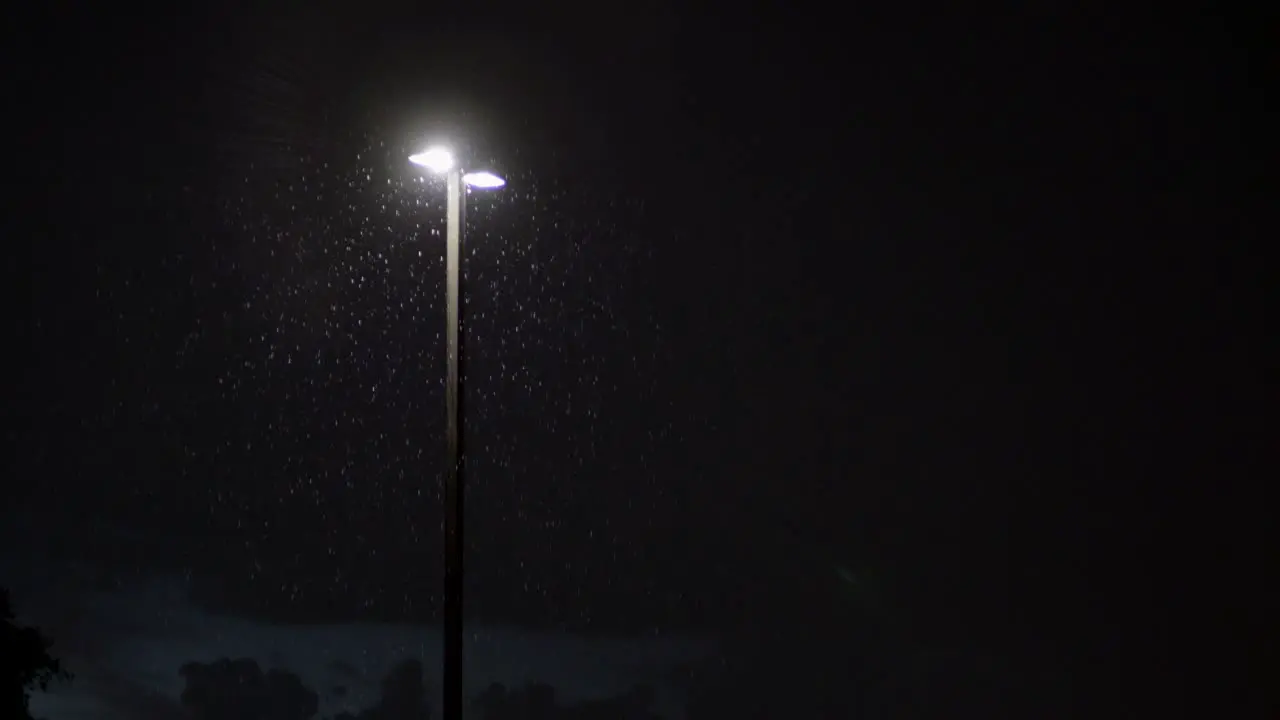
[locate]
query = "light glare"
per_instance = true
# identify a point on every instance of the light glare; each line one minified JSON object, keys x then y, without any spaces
{"x":436,"y":159}
{"x":484,"y":180}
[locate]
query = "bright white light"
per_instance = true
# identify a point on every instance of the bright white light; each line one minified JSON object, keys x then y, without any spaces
{"x":484,"y":180}
{"x":436,"y":159}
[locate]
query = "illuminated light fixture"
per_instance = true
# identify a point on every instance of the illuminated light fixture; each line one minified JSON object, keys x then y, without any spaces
{"x":439,"y":159}
{"x":435,"y":159}
{"x":483,"y":180}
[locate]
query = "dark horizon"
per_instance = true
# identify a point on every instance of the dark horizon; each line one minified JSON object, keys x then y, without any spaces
{"x":792,"y":331}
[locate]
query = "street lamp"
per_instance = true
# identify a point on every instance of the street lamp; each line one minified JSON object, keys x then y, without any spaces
{"x":441,"y":161}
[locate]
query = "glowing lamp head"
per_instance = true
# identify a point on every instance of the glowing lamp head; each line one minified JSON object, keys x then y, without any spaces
{"x":435,"y":159}
{"x":483,"y":180}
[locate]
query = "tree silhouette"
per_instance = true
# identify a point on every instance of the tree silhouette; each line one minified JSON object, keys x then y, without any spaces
{"x":538,"y":702}
{"x":239,"y":690}
{"x":25,"y":662}
{"x":404,"y":695}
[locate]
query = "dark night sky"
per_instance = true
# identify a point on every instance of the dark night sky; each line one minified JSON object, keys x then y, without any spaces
{"x":969,"y":305}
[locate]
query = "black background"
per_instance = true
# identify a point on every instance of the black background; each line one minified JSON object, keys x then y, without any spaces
{"x":975,"y":299}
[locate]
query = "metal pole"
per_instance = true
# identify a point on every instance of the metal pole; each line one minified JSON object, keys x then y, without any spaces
{"x":454,"y":458}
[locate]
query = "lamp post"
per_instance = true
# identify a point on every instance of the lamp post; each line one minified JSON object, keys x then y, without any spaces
{"x":440,"y":160}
